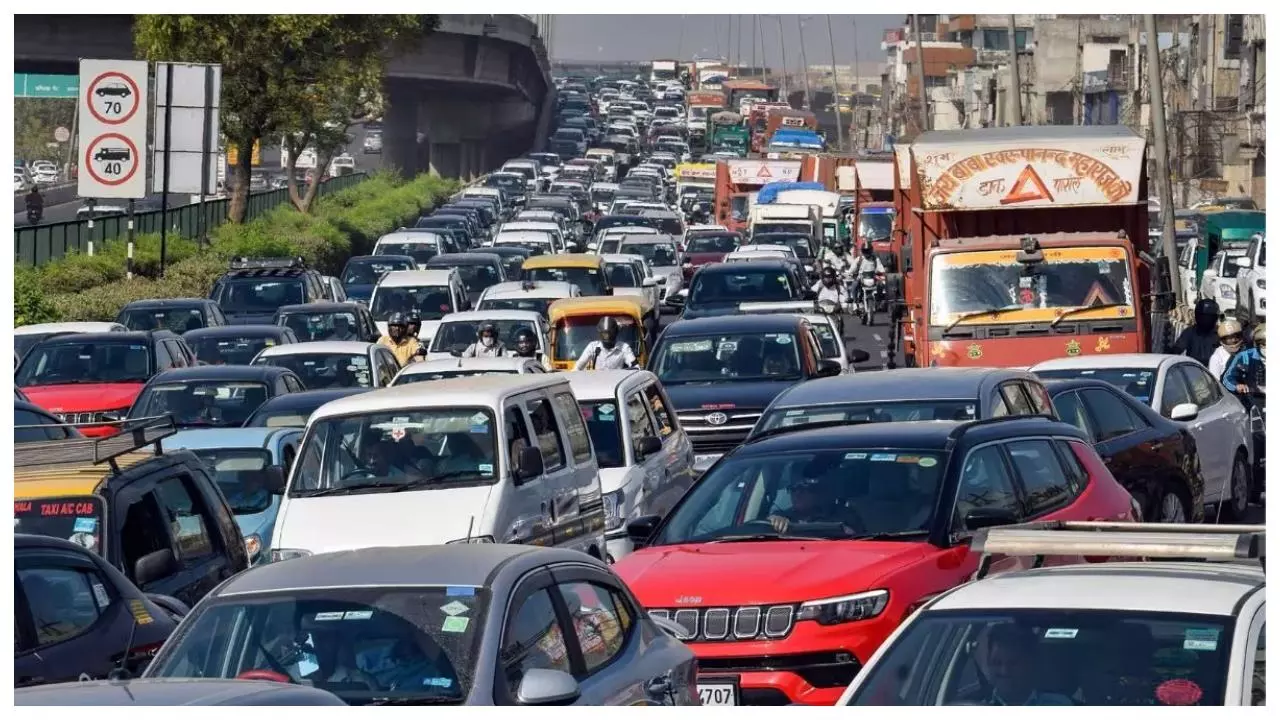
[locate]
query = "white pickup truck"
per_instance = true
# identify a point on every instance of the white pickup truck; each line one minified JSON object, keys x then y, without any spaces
{"x":1251,"y":282}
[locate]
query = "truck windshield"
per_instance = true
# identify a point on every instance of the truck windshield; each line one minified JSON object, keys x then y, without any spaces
{"x":875,"y":226}
{"x":1068,"y":278}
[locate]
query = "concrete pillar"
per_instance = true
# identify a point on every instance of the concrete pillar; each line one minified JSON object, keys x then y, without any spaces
{"x":446,"y":159}
{"x":400,"y":150}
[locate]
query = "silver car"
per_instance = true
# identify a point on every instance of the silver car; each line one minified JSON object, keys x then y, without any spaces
{"x":461,"y":624}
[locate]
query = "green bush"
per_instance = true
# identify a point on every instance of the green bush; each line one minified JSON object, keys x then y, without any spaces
{"x":30,"y":302}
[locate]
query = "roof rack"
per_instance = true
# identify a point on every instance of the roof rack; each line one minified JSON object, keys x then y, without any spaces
{"x":134,"y":435}
{"x":1166,"y":541}
{"x":248,"y":263}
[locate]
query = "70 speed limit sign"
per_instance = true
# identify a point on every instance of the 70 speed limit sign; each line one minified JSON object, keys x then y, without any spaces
{"x":113,"y":126}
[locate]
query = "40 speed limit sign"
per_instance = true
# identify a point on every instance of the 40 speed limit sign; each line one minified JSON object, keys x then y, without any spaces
{"x":113,"y":129}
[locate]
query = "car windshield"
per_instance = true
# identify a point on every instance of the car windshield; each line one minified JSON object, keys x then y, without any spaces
{"x":875,"y":226}
{"x":827,"y":494}
{"x":728,"y":358}
{"x":969,"y":282}
{"x":535,"y":247}
{"x":1229,"y":267}
{"x":607,"y":222}
{"x":466,"y":332}
{"x":588,"y":279}
{"x":201,"y":403}
{"x":59,"y":363}
{"x":1138,"y":383}
{"x":369,"y":272}
{"x":310,"y":327}
{"x":259,"y":294}
{"x":1054,"y":657}
{"x":573,"y":334}
{"x":325,"y":370}
{"x":865,"y":412}
{"x":622,"y":275}
{"x":738,"y":207}
{"x":292,"y":414}
{"x":602,"y":196}
{"x":475,"y":278}
{"x":241,"y":474}
{"x":78,"y":519}
{"x":511,"y":183}
{"x":713,"y":243}
{"x":605,"y":428}
{"x":431,"y":301}
{"x":23,"y":343}
{"x":224,"y":350}
{"x":364,"y":644}
{"x":178,"y":320}
{"x":659,"y":254}
{"x":745,"y":284}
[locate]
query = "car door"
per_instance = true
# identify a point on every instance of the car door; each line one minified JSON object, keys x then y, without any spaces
{"x":202,"y":560}
{"x":525,"y":514}
{"x":584,"y":522}
{"x":1132,"y":449}
{"x":534,"y":636}
{"x":673,"y":466}
{"x":1222,"y":423}
{"x":986,"y":483}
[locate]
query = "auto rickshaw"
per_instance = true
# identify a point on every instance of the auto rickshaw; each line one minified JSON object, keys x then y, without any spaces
{"x":574,"y":320}
{"x":582,"y":269}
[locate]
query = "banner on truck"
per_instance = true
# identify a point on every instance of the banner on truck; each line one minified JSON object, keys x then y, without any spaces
{"x":760,"y":172}
{"x":696,"y":172}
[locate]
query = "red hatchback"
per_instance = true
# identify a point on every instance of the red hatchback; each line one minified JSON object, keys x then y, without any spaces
{"x":795,"y":556}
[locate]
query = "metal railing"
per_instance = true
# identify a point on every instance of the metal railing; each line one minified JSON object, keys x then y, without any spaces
{"x":39,"y":244}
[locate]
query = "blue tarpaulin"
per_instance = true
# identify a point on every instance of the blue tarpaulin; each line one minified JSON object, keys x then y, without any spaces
{"x":769,"y":193}
{"x":797,"y":138}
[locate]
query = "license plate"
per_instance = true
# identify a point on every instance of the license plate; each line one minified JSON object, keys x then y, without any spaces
{"x":706,"y":459}
{"x":724,"y":694}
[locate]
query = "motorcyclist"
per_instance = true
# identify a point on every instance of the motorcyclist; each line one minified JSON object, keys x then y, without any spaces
{"x":830,"y":288}
{"x":342,"y":329}
{"x":527,"y":346}
{"x":35,"y":203}
{"x":867,"y":265}
{"x":404,"y":346}
{"x":415,"y":323}
{"x":1201,"y":339}
{"x":1231,"y":341}
{"x":487,"y":344}
{"x":606,"y":353}
{"x":1247,"y":372}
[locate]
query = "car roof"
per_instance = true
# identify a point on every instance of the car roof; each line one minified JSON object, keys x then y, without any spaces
{"x":412,"y":236}
{"x":461,"y":564}
{"x":166,"y":302}
{"x":318,"y":307}
{"x":481,"y":390}
{"x":563,"y":260}
{"x":466,"y":258}
{"x":912,"y":435}
{"x":66,"y":327}
{"x":214,"y":438}
{"x":463,"y":364}
{"x":222,"y":372}
{"x":620,"y":258}
{"x":267,"y":331}
{"x":97,"y":337}
{"x":933,"y":383}
{"x":1172,"y":587}
{"x":1148,"y":361}
{"x":540,"y":289}
{"x":769,"y":265}
{"x":415,"y":278}
{"x":331,"y":347}
{"x":480,"y":315}
{"x":764,"y":322}
{"x":307,"y":398}
{"x":1057,"y":386}
{"x":604,"y":384}
{"x":648,"y":239}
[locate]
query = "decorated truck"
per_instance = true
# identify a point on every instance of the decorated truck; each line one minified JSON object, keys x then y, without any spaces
{"x":738,"y":180}
{"x":702,"y":104}
{"x":727,"y":135}
{"x":774,"y":118}
{"x":1022,"y":244}
{"x":742,"y":95}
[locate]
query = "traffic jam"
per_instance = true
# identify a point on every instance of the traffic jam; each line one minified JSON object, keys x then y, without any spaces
{"x":683,"y":409}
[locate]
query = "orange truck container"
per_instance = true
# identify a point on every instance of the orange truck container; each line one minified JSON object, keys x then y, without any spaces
{"x":738,"y":180}
{"x":1021,"y":244}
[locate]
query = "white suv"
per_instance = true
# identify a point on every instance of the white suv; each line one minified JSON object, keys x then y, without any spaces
{"x":1251,"y":282}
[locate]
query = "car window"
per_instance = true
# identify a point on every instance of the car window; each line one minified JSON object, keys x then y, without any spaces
{"x":1110,"y":415}
{"x":1039,"y":398}
{"x":64,"y":600}
{"x":517,"y":431}
{"x":985,"y":483}
{"x":547,"y":432}
{"x":602,"y":621}
{"x":1204,"y":390}
{"x":576,"y":429}
{"x":1077,"y":476}
{"x":661,"y":411}
{"x":178,"y":353}
{"x":999,"y":408}
{"x":1259,"y":694}
{"x":386,"y":370}
{"x":534,"y":640}
{"x":1174,"y":393}
{"x":34,"y":427}
{"x":164,"y":360}
{"x":1071,"y":410}
{"x":1015,"y":399}
{"x":1042,"y":476}
{"x":186,"y":520}
{"x":639,"y":420}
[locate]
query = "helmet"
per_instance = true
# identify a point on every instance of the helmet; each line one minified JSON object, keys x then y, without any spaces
{"x":415,"y":317}
{"x":828,"y":273}
{"x":1260,"y":334}
{"x":487,"y":329}
{"x":608,"y":329}
{"x":1231,"y":334}
{"x":1206,"y":314}
{"x":866,"y":249}
{"x":397,"y":318}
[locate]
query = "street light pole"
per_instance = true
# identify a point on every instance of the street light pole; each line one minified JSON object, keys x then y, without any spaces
{"x":786,"y":70}
{"x":1163,"y":179}
{"x":804,"y":70}
{"x":835,"y":88}
{"x":764,"y":55}
{"x":924,"y":97}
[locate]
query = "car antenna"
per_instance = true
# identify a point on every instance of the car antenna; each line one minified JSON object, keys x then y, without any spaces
{"x":121,"y":671}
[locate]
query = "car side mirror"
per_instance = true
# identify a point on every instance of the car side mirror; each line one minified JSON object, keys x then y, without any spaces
{"x":979,"y":518}
{"x":660,"y":280}
{"x":641,"y":529}
{"x":1184,"y":412}
{"x":829,"y":368}
{"x":457,"y":350}
{"x":647,"y":446}
{"x":154,"y":566}
{"x":273,"y":479}
{"x":529,"y":464}
{"x":543,"y":686}
{"x":675,"y":300}
{"x":649,"y":282}
{"x":1244,"y":262}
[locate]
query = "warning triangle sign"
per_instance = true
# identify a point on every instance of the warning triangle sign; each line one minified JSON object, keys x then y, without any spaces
{"x":1020,"y":193}
{"x":764,"y":172}
{"x":1097,"y":296}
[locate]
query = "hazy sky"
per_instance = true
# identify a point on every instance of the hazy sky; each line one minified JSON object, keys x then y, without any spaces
{"x":650,"y":37}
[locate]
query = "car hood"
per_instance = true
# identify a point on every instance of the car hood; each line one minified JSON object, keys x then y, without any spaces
{"x":84,"y":398}
{"x":421,"y":517}
{"x":762,"y":572}
{"x":712,"y":396}
{"x":631,"y":291}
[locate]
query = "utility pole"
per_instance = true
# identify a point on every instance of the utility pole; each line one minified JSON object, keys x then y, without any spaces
{"x":1165,"y":182}
{"x":835,"y":89}
{"x":1015,"y":82}
{"x":754,"y":32}
{"x":804,"y":59}
{"x":786,"y":70}
{"x":924,"y":97}
{"x":739,"y":41}
{"x":1077,"y":110}
{"x":728,"y":41}
{"x":764,"y":55}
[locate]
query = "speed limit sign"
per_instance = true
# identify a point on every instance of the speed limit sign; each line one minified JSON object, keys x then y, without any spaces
{"x":113,"y":125}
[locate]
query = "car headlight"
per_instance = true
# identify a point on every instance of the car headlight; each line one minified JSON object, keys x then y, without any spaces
{"x":1227,"y":292}
{"x":472,"y":540}
{"x":613,"y":509}
{"x":280,"y":554}
{"x":253,"y":546}
{"x":847,"y":608}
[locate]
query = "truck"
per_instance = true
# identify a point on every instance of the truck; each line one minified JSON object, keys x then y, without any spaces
{"x":702,"y":104}
{"x":769,"y":118}
{"x":711,"y":75}
{"x":662,"y":70}
{"x":727,"y":134}
{"x":828,"y":203}
{"x":738,"y":180}
{"x":777,"y":217}
{"x":868,"y":184}
{"x":741,"y":95}
{"x":1021,"y":244}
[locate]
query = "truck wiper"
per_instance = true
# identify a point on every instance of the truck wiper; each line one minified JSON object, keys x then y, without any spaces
{"x":1074,"y":311}
{"x":980,"y":313}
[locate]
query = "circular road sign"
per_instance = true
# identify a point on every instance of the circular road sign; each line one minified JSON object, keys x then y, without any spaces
{"x":62,"y":134}
{"x":111,"y":159}
{"x":112,"y":98}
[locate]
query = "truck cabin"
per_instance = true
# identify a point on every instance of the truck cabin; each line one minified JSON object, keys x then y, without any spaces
{"x":739,"y":92}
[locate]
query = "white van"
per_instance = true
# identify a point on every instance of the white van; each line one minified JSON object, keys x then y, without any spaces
{"x":434,"y":293}
{"x":645,"y":457}
{"x":493,"y":458}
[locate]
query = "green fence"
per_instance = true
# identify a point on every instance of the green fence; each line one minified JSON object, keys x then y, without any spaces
{"x":36,"y":245}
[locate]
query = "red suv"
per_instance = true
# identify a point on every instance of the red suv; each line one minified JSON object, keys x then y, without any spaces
{"x":795,"y":556}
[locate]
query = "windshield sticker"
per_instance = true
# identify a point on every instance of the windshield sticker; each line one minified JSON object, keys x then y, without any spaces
{"x":440,"y":682}
{"x":782,"y":279}
{"x":270,"y":343}
{"x":1061,"y":633}
{"x":1200,"y":639}
{"x":783,"y":340}
{"x":100,"y":594}
{"x":326,"y":616}
{"x":455,"y":608}
{"x":85,"y":540}
{"x":85,"y":525}
{"x":1179,"y":692}
{"x":357,"y":615}
{"x":607,"y":409}
{"x":927,"y":462}
{"x":794,"y":412}
{"x":883,"y":457}
{"x":691,"y":346}
{"x":855,"y":456}
{"x":455,"y":624}
{"x":479,"y":419}
{"x":909,"y":459}
{"x":459,"y":591}
{"x":479,"y":429}
{"x":140,"y":613}
{"x":397,"y":434}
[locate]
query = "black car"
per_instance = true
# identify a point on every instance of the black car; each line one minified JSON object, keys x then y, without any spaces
{"x":177,"y":314}
{"x":479,"y":270}
{"x":454,"y":222}
{"x":513,"y":257}
{"x":32,"y":423}
{"x":236,"y":344}
{"x":362,"y":273}
{"x":484,"y":210}
{"x":511,"y":183}
{"x":293,"y":409}
{"x":473,"y":216}
{"x":179,"y":691}
{"x":329,"y":321}
{"x":720,"y":288}
{"x":221,"y":396}
{"x":721,"y":373}
{"x":610,"y":221}
{"x":802,"y":244}
{"x":76,"y":617}
{"x":1154,"y":458}
{"x":254,"y":288}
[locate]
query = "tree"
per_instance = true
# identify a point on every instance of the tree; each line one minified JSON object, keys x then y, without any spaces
{"x":271,"y":65}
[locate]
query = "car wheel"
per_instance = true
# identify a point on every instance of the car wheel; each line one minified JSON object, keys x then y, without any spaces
{"x":1239,"y":489}
{"x":1165,"y":507}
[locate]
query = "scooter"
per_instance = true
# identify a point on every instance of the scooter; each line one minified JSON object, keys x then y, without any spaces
{"x":867,"y":287}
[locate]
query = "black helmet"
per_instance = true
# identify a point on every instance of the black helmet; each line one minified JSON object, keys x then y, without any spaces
{"x":1206,"y":314}
{"x":397,"y":318}
{"x":866,"y":249}
{"x":608,"y":329}
{"x":524,"y":337}
{"x":415,"y":317}
{"x":828,"y":273}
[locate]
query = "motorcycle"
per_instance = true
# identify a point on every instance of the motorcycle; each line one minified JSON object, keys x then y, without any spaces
{"x":34,"y":215}
{"x":867,"y":290}
{"x":831,"y":308}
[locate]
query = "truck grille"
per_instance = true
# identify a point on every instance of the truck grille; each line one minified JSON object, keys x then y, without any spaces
{"x":752,"y":622}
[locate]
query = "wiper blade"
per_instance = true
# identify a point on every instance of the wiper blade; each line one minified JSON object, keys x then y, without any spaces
{"x":1074,"y":311}
{"x":434,"y":479}
{"x":758,"y":537}
{"x":890,"y":535}
{"x":416,"y":701}
{"x":979,"y":313}
{"x":346,"y":489}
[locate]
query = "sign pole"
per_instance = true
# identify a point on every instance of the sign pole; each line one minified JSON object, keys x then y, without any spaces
{"x":164,"y":190}
{"x":128,"y":268}
{"x":204,"y":158}
{"x":75,"y":138}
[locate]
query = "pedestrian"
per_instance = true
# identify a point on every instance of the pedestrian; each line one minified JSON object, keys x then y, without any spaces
{"x":1231,"y":341}
{"x":606,"y":353}
{"x":1201,"y":339}
{"x":401,"y":344}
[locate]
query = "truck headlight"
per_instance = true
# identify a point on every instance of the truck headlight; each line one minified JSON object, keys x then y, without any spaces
{"x":279,"y":554}
{"x":613,"y":509}
{"x":846,"y":608}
